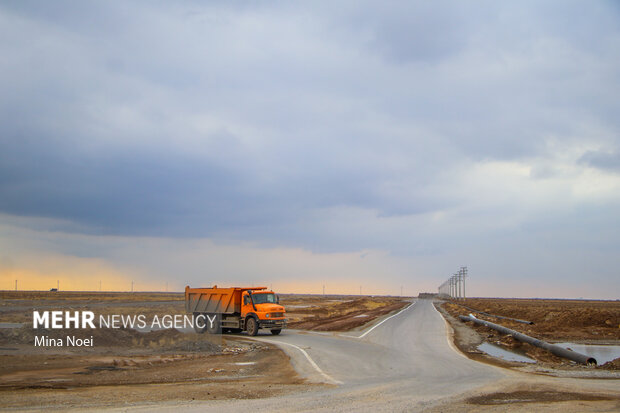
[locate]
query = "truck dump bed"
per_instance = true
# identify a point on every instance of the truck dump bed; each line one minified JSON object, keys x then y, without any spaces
{"x":215,"y":300}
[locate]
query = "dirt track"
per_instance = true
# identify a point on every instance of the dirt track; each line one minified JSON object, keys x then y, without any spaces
{"x":340,"y":313}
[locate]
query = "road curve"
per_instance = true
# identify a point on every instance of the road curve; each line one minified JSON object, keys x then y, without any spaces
{"x":405,"y":363}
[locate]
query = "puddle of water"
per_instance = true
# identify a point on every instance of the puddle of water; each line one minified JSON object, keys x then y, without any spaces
{"x":496,"y":351}
{"x":361,"y":315}
{"x":245,"y":363}
{"x":602,"y":353}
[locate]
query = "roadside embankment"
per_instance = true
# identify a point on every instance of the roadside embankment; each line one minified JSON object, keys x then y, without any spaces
{"x":554,"y":321}
{"x":580,"y":321}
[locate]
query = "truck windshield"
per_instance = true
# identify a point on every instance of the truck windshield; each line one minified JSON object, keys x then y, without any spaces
{"x":260,"y":298}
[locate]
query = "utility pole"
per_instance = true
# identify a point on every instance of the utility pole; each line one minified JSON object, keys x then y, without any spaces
{"x":452,"y":287}
{"x":464,"y":274}
{"x":456,"y":285}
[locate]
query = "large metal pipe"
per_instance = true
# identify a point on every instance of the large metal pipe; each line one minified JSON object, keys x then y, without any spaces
{"x":557,"y":350}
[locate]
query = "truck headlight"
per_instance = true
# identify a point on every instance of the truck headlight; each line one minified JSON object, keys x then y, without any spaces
{"x":267,"y":315}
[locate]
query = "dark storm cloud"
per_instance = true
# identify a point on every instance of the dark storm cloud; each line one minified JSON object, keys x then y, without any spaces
{"x":140,"y":191}
{"x":602,"y":160}
{"x":130,"y":191}
{"x":266,"y":122}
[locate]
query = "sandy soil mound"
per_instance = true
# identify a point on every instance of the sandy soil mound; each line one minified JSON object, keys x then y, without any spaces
{"x":611,"y":365}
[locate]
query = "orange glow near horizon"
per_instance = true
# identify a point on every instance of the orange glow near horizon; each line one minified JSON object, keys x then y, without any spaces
{"x":43,"y":272}
{"x":87,"y":279}
{"x":33,"y":280}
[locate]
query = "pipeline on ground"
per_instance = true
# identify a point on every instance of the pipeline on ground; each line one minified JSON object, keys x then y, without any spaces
{"x":497,"y":316}
{"x":552,"y":348}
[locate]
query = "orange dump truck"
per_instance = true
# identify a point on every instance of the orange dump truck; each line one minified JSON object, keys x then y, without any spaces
{"x":236,"y":309}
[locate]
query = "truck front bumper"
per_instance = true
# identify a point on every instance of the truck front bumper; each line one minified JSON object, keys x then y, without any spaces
{"x":272,"y":324}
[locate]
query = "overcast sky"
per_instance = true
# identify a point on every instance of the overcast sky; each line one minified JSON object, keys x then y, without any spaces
{"x":381,"y":144}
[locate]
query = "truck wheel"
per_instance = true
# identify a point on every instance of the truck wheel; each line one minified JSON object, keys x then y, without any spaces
{"x":216,"y":326}
{"x":252,"y":326}
{"x":200,"y":321}
{"x":276,"y":331}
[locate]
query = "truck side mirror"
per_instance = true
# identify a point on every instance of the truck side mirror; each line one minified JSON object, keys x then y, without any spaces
{"x":277,"y":299}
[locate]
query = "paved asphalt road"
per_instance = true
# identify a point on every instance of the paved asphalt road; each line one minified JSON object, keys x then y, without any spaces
{"x":404,"y":362}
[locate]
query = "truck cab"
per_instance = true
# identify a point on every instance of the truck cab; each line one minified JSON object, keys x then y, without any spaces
{"x":262,"y":308}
